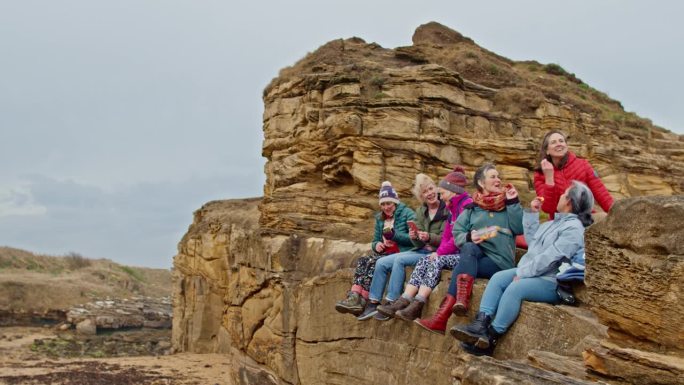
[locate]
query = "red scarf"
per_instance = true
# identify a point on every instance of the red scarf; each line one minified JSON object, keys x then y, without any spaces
{"x":490,"y":201}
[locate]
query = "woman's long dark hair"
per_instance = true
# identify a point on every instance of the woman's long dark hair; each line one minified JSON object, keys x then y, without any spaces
{"x":542,"y":151}
{"x":582,"y":202}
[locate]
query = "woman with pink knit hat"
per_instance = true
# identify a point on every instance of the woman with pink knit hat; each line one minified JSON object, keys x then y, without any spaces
{"x":391,"y":236}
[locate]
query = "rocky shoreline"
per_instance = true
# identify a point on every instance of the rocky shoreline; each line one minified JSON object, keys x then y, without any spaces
{"x":102,"y":328}
{"x":115,"y":314}
{"x":122,"y":343}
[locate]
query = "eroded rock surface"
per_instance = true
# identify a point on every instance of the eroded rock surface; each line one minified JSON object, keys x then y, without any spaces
{"x":635,"y":280}
{"x":257,"y":279}
{"x":487,"y":371}
{"x":273,"y":305}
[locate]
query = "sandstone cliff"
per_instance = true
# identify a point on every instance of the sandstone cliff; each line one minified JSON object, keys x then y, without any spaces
{"x":352,"y":114}
{"x":257,"y":279}
{"x":267,"y":302}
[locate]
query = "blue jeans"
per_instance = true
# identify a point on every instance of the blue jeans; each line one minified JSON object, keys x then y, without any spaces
{"x":503,"y":297}
{"x":474,"y":263}
{"x":396,"y":264}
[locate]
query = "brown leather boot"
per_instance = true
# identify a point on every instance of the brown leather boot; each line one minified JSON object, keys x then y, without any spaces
{"x":411,"y":311}
{"x":438,"y":322}
{"x":392,"y":307}
{"x":464,"y":287}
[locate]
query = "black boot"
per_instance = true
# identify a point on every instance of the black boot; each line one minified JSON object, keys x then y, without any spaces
{"x":468,"y":348}
{"x":490,"y":340}
{"x":483,"y":347}
{"x":474,"y":331}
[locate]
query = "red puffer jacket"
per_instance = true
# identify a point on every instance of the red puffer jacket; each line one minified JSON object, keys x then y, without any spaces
{"x":575,"y":169}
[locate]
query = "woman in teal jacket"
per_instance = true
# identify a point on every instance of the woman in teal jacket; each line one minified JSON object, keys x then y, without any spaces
{"x":391,"y":236}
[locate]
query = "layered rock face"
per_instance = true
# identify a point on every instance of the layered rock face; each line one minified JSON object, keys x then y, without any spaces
{"x":258,"y":279}
{"x":351,"y":115}
{"x":267,"y":301}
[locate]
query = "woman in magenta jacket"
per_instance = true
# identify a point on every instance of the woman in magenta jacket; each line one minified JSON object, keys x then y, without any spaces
{"x":556,"y":170}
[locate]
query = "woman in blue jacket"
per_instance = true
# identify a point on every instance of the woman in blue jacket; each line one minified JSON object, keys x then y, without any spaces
{"x":535,"y":277}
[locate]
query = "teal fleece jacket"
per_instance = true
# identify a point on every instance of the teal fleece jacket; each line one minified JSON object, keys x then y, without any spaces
{"x":500,"y":249}
{"x":402,"y":214}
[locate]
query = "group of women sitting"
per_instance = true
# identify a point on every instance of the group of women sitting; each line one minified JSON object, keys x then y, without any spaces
{"x":475,"y":237}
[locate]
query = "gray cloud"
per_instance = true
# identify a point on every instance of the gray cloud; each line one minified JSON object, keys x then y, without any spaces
{"x":139,"y":225}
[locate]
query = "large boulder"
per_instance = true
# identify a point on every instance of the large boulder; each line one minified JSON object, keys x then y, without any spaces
{"x":635,"y":276}
{"x":635,"y":270}
{"x":86,"y":327}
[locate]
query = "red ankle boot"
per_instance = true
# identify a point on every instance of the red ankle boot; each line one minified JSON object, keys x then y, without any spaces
{"x":437,"y":324}
{"x":464,"y":287}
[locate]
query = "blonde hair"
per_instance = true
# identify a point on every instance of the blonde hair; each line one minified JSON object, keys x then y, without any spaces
{"x":420,"y":183}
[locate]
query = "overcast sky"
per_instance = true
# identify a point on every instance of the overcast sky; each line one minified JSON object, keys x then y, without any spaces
{"x":120,"y":118}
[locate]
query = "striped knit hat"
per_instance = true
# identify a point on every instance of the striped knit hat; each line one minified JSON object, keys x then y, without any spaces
{"x":387,"y":193}
{"x":455,"y":181}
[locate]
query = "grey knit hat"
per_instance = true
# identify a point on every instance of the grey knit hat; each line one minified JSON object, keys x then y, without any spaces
{"x":455,"y":181}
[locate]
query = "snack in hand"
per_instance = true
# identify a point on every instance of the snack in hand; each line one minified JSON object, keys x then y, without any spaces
{"x":412,"y":226}
{"x":388,"y":233}
{"x":487,"y":232}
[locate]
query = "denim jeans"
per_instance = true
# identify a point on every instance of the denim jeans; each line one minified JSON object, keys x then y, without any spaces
{"x":395,"y":264}
{"x":503,"y":297}
{"x":474,"y":263}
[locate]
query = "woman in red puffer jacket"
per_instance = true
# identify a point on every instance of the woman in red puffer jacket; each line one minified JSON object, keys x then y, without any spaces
{"x":558,"y":167}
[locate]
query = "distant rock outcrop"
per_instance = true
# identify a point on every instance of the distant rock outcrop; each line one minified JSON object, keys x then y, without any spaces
{"x":257,"y":279}
{"x":128,"y":313}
